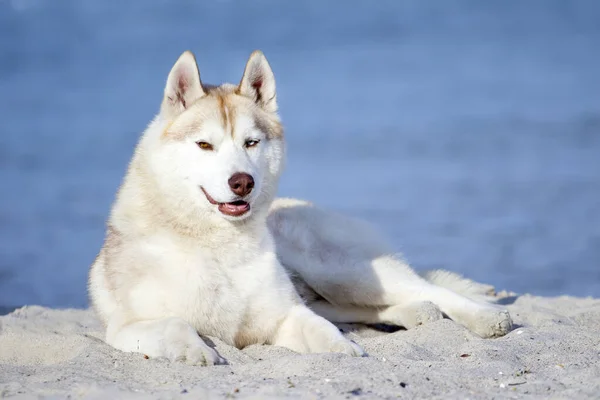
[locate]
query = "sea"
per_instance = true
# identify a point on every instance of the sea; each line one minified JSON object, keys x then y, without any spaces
{"x":467,"y":131}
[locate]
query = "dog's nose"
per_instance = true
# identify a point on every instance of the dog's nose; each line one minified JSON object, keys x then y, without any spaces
{"x":241,"y":183}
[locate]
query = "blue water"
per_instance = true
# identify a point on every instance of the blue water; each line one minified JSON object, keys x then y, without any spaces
{"x":468,"y":131}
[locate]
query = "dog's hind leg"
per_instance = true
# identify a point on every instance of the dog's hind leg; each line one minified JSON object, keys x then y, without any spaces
{"x":386,"y":282}
{"x":346,"y":262}
{"x":170,"y":337}
{"x":407,"y":316}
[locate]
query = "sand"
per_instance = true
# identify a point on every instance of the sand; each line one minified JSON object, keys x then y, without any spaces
{"x":554,"y":352}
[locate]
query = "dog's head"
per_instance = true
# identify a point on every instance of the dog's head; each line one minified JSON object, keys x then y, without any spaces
{"x":220,"y":149}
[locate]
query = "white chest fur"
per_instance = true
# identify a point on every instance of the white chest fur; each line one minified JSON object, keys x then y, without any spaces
{"x":232,"y":293}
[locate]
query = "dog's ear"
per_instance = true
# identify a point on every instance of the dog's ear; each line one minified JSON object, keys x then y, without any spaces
{"x":258,"y":82}
{"x":183,"y":86}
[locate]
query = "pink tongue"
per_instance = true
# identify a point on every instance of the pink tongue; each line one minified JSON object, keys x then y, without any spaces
{"x":234,"y":209}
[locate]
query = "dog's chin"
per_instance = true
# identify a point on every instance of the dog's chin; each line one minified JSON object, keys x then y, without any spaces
{"x":233,"y":211}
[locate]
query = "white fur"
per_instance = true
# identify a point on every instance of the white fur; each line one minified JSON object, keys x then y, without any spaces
{"x":173,"y":266}
{"x":352,"y":275}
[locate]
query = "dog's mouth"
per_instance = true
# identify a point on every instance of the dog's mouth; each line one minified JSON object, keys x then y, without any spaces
{"x":233,"y":209}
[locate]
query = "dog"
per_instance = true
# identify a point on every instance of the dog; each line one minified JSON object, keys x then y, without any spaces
{"x":197,"y":244}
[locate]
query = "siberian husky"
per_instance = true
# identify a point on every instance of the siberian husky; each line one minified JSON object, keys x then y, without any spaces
{"x":196,"y":243}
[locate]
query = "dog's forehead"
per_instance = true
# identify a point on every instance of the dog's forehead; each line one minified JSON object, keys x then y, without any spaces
{"x":223,"y":106}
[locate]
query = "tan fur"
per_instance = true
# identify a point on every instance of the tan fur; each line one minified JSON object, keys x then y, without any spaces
{"x":229,"y":104}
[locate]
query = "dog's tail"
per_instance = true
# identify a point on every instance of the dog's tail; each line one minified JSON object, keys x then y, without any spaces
{"x":461,"y":285}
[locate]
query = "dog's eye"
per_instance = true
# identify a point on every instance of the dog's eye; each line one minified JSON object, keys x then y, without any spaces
{"x":204,"y":145}
{"x":251,"y":143}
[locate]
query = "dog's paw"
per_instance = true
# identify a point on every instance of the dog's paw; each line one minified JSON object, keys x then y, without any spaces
{"x":491,"y":322}
{"x":306,"y":332}
{"x":193,"y":354}
{"x":426,"y":312}
{"x":182,"y":343}
{"x":346,"y":346}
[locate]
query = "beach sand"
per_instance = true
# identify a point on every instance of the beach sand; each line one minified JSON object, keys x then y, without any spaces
{"x":553,"y":352}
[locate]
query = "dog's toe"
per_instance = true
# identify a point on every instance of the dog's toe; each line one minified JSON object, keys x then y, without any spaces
{"x":195,"y":353}
{"x":348,"y":347}
{"x":201,"y":355}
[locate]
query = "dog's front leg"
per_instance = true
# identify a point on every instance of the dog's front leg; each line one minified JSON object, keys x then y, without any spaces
{"x":305,"y":332}
{"x":170,"y":337}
